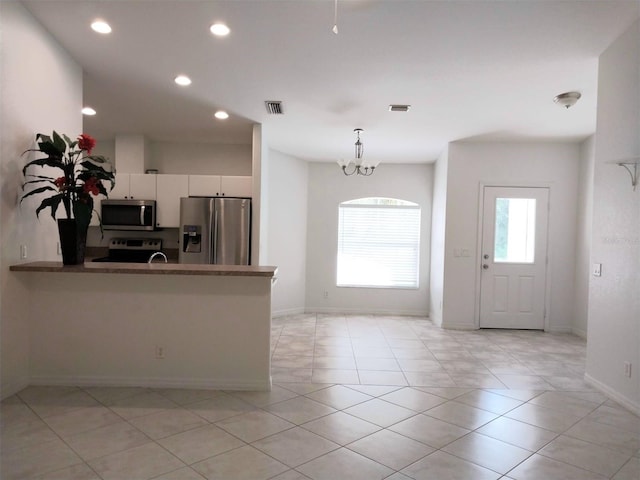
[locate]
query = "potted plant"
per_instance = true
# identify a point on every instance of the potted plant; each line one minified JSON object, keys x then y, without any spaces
{"x":82,"y":177}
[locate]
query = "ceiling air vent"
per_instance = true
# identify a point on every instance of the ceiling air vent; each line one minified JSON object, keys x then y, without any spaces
{"x":399,"y":108}
{"x":274,"y":107}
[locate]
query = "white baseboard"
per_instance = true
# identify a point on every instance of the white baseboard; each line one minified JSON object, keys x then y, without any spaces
{"x":579,"y":332}
{"x":12,"y":388}
{"x":633,"y":406}
{"x":287,"y":312}
{"x":339,"y":310}
{"x":152,"y":382}
{"x":436,"y":318}
{"x":559,"y":330}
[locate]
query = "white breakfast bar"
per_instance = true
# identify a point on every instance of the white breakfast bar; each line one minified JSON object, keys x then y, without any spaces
{"x":149,"y":325}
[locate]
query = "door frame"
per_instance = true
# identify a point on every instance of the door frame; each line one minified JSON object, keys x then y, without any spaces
{"x":478,"y":256}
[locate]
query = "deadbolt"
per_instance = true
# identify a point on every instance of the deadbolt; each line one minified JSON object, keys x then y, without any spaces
{"x":486,"y":256}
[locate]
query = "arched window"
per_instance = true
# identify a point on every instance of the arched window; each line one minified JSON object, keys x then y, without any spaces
{"x":378,"y":243}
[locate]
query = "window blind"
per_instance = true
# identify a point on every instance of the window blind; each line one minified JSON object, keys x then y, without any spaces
{"x":378,"y":245}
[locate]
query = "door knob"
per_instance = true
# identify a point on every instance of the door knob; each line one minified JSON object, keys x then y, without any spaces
{"x":485,"y":266}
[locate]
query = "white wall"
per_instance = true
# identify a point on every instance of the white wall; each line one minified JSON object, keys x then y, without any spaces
{"x":472,"y":164}
{"x":583,"y":237}
{"x":614,"y":298}
{"x":328,"y":187}
{"x":287,"y":191}
{"x":188,"y":158}
{"x":438,"y":223}
{"x":41,"y":91}
{"x":200,"y":159}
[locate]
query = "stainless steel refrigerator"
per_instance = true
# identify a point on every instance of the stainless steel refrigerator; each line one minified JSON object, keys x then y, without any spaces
{"x":215,"y":230}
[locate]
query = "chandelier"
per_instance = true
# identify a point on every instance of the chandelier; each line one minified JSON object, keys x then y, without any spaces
{"x":360,"y":167}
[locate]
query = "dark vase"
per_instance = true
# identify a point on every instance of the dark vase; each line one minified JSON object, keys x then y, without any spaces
{"x":73,"y":241}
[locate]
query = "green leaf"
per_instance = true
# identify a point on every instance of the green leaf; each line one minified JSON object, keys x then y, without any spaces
{"x":41,"y":162}
{"x":43,"y":137}
{"x":103,"y":190}
{"x":70,"y":142}
{"x":51,"y":202}
{"x":98,"y":171}
{"x":98,"y":159}
{"x":48,"y":147}
{"x":59,"y":142}
{"x":36,"y":191}
{"x":41,"y":177}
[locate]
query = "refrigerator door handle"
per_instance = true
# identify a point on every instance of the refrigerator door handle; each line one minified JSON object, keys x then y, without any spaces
{"x":214,"y":238}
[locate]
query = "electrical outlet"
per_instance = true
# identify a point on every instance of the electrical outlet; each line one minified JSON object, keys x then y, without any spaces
{"x":326,"y":295}
{"x":627,"y":369}
{"x":23,"y":252}
{"x":159,"y":352}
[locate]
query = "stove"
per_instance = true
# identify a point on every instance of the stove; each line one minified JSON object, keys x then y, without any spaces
{"x":131,"y":250}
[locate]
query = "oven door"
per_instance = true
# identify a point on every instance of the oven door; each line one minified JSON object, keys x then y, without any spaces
{"x":128,"y":214}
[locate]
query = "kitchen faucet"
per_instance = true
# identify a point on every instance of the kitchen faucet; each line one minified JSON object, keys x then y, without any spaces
{"x":157,"y":254}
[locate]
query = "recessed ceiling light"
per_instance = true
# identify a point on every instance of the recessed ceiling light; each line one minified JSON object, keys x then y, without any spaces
{"x":182,"y":80}
{"x":88,"y":111}
{"x":220,"y":29}
{"x":221,"y":115}
{"x":101,"y":26}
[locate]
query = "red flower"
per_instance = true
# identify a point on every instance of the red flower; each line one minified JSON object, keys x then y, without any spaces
{"x":61,"y":183}
{"x":91,"y":186}
{"x":86,"y":143}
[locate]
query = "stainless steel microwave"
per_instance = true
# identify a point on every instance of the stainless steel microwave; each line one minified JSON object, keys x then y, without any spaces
{"x":128,"y":214}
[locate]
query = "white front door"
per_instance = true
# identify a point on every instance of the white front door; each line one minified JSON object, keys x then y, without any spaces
{"x":514,"y":257}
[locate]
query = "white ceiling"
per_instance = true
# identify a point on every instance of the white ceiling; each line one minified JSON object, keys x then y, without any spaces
{"x":470,"y":70}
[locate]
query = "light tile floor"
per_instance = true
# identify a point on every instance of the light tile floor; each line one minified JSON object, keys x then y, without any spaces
{"x":354,"y":397}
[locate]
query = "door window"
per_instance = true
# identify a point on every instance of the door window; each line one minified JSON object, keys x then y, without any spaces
{"x":515,"y":230}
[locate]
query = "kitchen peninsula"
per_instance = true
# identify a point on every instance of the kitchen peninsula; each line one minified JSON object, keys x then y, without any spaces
{"x":150,"y":325}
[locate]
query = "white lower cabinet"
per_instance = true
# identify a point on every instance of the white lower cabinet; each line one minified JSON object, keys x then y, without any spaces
{"x":169,"y":190}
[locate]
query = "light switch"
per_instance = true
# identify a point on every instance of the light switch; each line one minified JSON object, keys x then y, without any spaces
{"x":597,"y":269}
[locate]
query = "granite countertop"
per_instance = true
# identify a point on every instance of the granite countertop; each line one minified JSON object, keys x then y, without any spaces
{"x":149,"y":269}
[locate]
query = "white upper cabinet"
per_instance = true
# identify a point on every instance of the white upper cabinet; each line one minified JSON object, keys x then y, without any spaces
{"x":235,"y":186}
{"x":220,"y":186}
{"x":169,"y":190}
{"x":204,"y":185}
{"x":137,"y":186}
{"x":142,"y":186}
